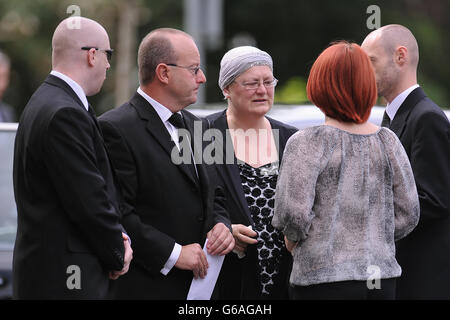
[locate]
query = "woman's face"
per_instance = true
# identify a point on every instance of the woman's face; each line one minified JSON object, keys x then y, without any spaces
{"x":252,"y":92}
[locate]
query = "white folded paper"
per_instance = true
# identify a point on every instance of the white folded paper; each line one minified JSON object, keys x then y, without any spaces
{"x":201,"y":289}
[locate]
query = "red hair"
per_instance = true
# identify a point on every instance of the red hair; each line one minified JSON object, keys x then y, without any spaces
{"x":342,"y":83}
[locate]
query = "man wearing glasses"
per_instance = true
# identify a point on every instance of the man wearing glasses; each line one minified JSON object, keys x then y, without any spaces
{"x":168,"y":210}
{"x":69,"y":241}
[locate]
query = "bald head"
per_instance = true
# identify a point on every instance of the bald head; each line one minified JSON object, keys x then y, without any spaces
{"x":72,"y":34}
{"x":393,"y":36}
{"x":86,"y":67}
{"x":394,"y":55}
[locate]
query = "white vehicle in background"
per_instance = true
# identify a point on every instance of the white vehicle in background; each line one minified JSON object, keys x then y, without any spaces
{"x":8,"y":213}
{"x":299,"y":116}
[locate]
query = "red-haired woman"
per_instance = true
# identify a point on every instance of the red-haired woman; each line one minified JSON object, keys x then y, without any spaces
{"x":346,"y":190}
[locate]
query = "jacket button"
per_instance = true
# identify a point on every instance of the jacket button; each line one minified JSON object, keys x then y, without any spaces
{"x":201,"y":218}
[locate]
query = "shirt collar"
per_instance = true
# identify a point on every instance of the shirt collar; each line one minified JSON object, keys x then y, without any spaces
{"x":392,"y":108}
{"x":163,"y":112}
{"x":75,"y":87}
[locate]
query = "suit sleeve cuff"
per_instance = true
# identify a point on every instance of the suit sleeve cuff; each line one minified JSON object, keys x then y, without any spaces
{"x":172,"y":259}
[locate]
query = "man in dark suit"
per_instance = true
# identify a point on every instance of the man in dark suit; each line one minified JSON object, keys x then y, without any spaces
{"x":168,"y":205}
{"x":69,"y":241}
{"x":6,"y":111}
{"x":424,"y":131}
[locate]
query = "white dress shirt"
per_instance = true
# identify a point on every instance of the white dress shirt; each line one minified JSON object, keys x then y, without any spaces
{"x":392,"y":108}
{"x":165,"y":114}
{"x":75,"y":87}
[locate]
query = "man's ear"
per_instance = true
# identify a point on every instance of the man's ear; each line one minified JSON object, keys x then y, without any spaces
{"x":162,"y":73}
{"x":401,"y":56}
{"x":91,"y":58}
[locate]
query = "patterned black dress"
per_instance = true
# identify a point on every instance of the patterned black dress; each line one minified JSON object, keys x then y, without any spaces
{"x":259,"y":186}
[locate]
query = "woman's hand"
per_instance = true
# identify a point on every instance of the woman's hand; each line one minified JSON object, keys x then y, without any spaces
{"x":290,"y":245}
{"x":243,"y":236}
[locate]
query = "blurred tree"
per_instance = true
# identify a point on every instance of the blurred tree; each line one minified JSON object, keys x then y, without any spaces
{"x":293,"y":32}
{"x":26,"y":29}
{"x":293,"y":91}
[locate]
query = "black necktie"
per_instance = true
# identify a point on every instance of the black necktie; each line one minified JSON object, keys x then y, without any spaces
{"x":386,"y":122}
{"x":177,"y":121}
{"x":91,"y":111}
{"x":94,"y":117}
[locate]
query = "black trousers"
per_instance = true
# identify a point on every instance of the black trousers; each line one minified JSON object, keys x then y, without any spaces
{"x":344,"y":290}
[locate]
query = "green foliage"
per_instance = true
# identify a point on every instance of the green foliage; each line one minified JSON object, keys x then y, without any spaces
{"x":293,"y":32}
{"x":292,"y":92}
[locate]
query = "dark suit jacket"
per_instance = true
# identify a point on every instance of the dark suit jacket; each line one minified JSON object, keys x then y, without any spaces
{"x":165,"y":203}
{"x":238,"y":278}
{"x":66,"y":199}
{"x":424,"y":255}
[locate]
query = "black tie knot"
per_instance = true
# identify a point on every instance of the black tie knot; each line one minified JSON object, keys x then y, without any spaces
{"x":386,"y":122}
{"x":176,"y":120}
{"x":91,"y":111}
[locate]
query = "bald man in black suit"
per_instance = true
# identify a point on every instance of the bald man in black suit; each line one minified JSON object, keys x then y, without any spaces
{"x":69,"y":240}
{"x":424,"y":131}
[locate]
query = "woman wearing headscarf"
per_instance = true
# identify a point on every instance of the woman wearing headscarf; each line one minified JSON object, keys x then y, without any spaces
{"x":254,"y":143}
{"x":346,"y":190}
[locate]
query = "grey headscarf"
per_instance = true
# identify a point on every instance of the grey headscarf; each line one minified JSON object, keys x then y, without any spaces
{"x":238,"y":60}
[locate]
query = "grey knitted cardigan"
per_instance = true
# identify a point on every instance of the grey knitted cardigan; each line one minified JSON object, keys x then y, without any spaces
{"x":346,"y":198}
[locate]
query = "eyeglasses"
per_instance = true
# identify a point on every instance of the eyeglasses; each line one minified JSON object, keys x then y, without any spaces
{"x":193,"y":70}
{"x":253,"y":85}
{"x":108,"y":52}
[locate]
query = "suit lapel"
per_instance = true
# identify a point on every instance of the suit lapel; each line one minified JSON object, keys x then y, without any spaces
{"x":94,"y":117}
{"x":232,"y":170}
{"x":158,"y":131}
{"x":398,"y":124}
{"x":55,"y":81}
{"x":197,"y":146}
{"x":190,"y":169}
